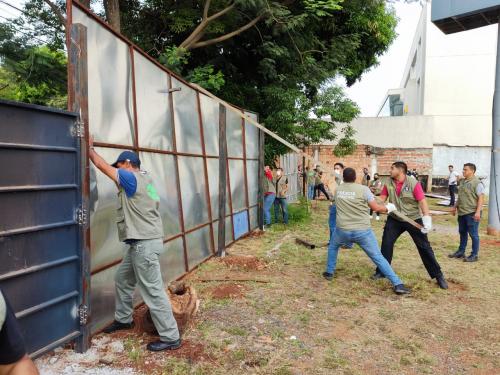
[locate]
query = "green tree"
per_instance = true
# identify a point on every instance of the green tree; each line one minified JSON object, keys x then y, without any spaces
{"x":278,"y":58}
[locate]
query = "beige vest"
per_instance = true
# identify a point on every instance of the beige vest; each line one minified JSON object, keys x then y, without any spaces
{"x":467,"y":196}
{"x":405,"y":202}
{"x":138,"y":217}
{"x":281,"y":187}
{"x":352,"y":207}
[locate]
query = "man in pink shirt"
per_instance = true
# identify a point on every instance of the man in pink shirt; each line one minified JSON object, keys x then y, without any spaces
{"x":406,"y":193}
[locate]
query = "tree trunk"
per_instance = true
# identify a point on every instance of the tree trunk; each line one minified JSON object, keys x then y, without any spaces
{"x":112,"y":9}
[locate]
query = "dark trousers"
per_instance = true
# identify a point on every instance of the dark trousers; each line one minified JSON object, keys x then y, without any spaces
{"x":320,"y":188}
{"x":451,"y":190}
{"x":395,"y":228}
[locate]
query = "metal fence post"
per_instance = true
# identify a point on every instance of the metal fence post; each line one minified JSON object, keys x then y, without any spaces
{"x":260,"y":195}
{"x":221,"y":246}
{"x":78,"y":77}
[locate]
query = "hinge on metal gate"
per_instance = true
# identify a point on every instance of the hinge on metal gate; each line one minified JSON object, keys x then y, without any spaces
{"x":81,"y":216}
{"x":83,"y":313}
{"x":78,"y":129}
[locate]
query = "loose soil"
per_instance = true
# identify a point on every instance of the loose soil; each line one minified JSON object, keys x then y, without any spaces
{"x":247,"y":262}
{"x":228,"y":291}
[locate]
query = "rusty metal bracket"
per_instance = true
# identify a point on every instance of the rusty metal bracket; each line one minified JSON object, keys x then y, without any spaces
{"x":78,"y":129}
{"x":81,"y":216}
{"x":83,"y":314}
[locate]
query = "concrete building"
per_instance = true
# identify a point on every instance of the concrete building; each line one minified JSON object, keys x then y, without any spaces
{"x":440,"y":114}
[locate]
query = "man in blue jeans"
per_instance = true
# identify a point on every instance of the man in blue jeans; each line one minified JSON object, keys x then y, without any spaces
{"x":469,"y":207}
{"x":281,"y":184}
{"x":332,"y":217}
{"x":353,"y":225}
{"x":269,"y":194}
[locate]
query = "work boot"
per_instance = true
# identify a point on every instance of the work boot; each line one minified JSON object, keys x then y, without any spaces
{"x":401,"y":289}
{"x":117,"y":326}
{"x":158,"y":346}
{"x":457,"y":254}
{"x":441,"y":281}
{"x":376,"y":276}
{"x":328,"y":276}
{"x":471,"y":258}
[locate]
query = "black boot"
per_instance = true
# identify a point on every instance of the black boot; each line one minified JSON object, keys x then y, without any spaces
{"x":457,"y":254}
{"x":441,"y":281}
{"x":117,"y":326}
{"x":158,"y":346}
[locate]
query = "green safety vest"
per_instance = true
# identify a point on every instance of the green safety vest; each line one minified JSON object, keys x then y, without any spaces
{"x":138,"y":217}
{"x":310,"y":177}
{"x":269,"y":186}
{"x":352,"y":207}
{"x":281,"y":187}
{"x":405,"y":202}
{"x":467,"y":196}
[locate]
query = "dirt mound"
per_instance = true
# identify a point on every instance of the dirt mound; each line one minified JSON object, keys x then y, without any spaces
{"x":228,"y":291}
{"x":184,"y":303}
{"x":244,"y":262}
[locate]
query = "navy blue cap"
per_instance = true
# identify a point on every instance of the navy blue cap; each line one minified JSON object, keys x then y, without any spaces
{"x":130,"y":156}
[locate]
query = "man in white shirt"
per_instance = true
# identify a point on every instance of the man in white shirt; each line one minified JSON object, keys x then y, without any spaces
{"x":452,"y":184}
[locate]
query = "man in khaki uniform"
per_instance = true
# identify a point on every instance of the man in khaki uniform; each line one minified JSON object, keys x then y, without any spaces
{"x":353,"y":226}
{"x":366,"y":177}
{"x":408,"y":196}
{"x":140,"y":227}
{"x":281,"y":183}
{"x":469,"y":207}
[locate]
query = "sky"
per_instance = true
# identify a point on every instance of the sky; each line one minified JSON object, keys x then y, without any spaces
{"x":370,"y":91}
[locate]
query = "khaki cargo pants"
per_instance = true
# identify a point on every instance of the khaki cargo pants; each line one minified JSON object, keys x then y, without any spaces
{"x":141,"y":266}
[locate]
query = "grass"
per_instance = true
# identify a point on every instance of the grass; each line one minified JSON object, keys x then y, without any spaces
{"x":298,"y":323}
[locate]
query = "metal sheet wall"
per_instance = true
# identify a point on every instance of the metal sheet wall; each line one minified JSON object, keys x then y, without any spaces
{"x":136,"y":104}
{"x":290,"y":163}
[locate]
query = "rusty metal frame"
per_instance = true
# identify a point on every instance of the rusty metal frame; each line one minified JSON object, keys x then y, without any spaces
{"x":247,"y":202}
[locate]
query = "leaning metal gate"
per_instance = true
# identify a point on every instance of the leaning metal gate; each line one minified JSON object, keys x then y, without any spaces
{"x":42,"y":224}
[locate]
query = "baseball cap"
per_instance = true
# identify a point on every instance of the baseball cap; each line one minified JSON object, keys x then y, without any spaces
{"x":127,"y":156}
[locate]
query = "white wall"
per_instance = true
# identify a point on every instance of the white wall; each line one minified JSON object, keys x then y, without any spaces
{"x":399,"y":132}
{"x":462,"y":130}
{"x":457,"y":156}
{"x":460,"y":71}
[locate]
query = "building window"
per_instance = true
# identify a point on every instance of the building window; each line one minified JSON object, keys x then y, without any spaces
{"x":393,"y":106}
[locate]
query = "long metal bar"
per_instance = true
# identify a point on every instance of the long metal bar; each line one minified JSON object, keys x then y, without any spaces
{"x":79,"y":92}
{"x":176,"y":158}
{"x":230,"y":197}
{"x":38,"y":267}
{"x":247,"y":202}
{"x":52,"y":302}
{"x":260,"y":193}
{"x":494,"y":202}
{"x":37,"y":147}
{"x":36,"y":228}
{"x":134,"y":98}
{"x":205,"y":168}
{"x":9,"y":189}
{"x":222,"y":182}
{"x":166,"y":152}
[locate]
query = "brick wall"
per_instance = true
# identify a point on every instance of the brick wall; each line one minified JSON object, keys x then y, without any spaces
{"x":419,"y":158}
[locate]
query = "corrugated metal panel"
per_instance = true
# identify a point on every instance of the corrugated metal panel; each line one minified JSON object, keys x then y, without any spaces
{"x":40,"y":239}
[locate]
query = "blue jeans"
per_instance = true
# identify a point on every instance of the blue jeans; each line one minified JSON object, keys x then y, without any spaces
{"x":332,"y":223}
{"x":310,"y":192}
{"x":467,"y":226}
{"x":268,"y":202}
{"x":284,"y":207}
{"x":367,"y":241}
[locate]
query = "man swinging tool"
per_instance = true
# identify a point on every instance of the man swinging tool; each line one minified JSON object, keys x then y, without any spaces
{"x":407,"y":194}
{"x":140,"y":227}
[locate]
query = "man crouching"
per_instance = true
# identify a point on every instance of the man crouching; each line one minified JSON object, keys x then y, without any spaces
{"x":353,"y":226}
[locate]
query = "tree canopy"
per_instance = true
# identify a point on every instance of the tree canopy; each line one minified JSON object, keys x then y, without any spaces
{"x":278,"y":58}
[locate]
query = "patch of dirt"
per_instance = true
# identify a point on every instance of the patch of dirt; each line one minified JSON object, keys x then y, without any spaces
{"x":194,"y":352}
{"x":244,"y":262}
{"x":490,"y":242}
{"x":458,"y":285}
{"x":228,"y":291}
